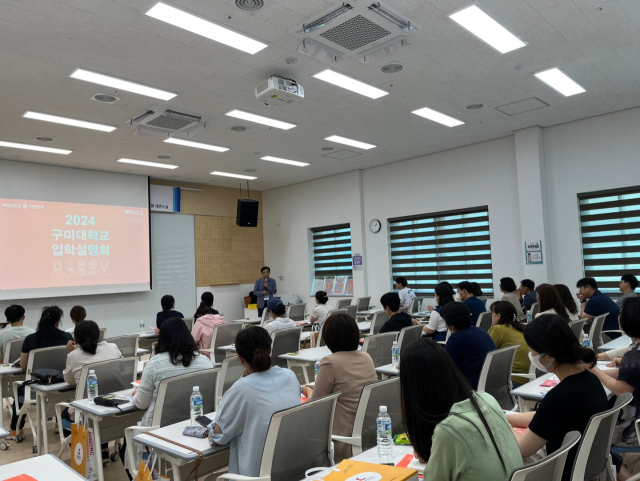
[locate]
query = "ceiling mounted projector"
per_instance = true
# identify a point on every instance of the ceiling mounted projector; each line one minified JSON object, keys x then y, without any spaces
{"x":279,"y":91}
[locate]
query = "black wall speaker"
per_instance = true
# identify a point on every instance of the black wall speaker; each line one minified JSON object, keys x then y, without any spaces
{"x":247,"y":215}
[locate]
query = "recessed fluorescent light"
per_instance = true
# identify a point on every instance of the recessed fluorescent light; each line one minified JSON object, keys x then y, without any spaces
{"x":197,"y":145}
{"x":443,"y":119}
{"x":486,"y":28}
{"x":350,"y":83}
{"x":559,"y":81}
{"x":239,"y":114}
{"x":65,"y":121}
{"x":38,"y":148}
{"x":206,"y":28}
{"x":351,"y":142}
{"x":237,"y":176}
{"x":116,"y":83}
{"x":284,"y":161}
{"x":148,"y":164}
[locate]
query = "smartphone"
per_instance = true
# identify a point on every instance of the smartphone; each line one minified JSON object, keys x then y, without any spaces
{"x":203,"y":421}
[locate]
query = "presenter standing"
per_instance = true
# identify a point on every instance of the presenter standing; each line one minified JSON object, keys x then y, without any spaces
{"x":264,"y":289}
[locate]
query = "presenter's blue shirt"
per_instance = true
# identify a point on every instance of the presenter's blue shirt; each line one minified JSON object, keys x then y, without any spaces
{"x":468,"y":348}
{"x":476,"y":306}
{"x":601,"y":304}
{"x":258,"y":290}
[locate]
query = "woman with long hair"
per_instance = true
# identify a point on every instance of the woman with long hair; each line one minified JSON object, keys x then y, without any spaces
{"x":568,"y":406}
{"x":168,"y":311}
{"x":437,"y":327}
{"x":569,"y":301}
{"x":507,"y":331}
{"x":550,"y":302}
{"x":206,"y":306}
{"x":461,"y":435}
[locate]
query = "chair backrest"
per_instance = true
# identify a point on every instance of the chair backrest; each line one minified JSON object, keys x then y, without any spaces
{"x":550,"y":467}
{"x":379,"y":318}
{"x":484,"y":321}
{"x":223,"y":335}
{"x":577,"y":328}
{"x":352,"y":311}
{"x":51,"y":357}
{"x":153,"y":349}
{"x":128,"y":344}
{"x":374,"y":395}
{"x":298,"y":439}
{"x":495,"y":376}
{"x":174,"y":394}
{"x":379,"y":346}
{"x":592,"y":458}
{"x":264,"y":317}
{"x":13,"y":350}
{"x":414,"y":304}
{"x":404,"y":309}
{"x":408,"y":335}
{"x":362,"y":303}
{"x":343,"y":303}
{"x":284,"y":341}
{"x":535,"y":308}
{"x":114,"y":375}
{"x":595,"y":333}
{"x":189,"y":322}
{"x":230,"y":372}
{"x":103,"y":333}
{"x":296,"y":312}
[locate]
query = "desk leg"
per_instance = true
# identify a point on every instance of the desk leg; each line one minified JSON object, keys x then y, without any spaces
{"x":38,"y":420}
{"x":45,"y":435}
{"x":175,"y":471}
{"x":1,"y":402}
{"x":96,"y":443}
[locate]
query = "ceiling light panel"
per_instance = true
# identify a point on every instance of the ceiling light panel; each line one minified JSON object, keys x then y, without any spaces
{"x":66,"y":121}
{"x":200,"y":26}
{"x":259,"y":119}
{"x":439,"y":117}
{"x":349,"y":83}
{"x":116,"y":83}
{"x":351,"y":142}
{"x":236,"y":176}
{"x":487,"y":29}
{"x":284,"y":161}
{"x":148,"y":164}
{"x":196,"y":145}
{"x":559,"y":81}
{"x":37,"y":148}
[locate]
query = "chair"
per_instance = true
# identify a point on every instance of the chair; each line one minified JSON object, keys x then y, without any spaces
{"x":362,"y":303}
{"x":230,"y":372}
{"x":13,"y":350}
{"x":298,"y":439}
{"x":103,"y":333}
{"x":223,"y":335}
{"x":550,"y":467}
{"x":404,"y":309}
{"x":595,"y":332}
{"x":296,"y":312}
{"x":284,"y":341}
{"x":495,"y":376}
{"x":378,"y":320}
{"x":484,"y":301}
{"x":352,"y":311}
{"x":408,"y":335}
{"x":153,"y":350}
{"x":577,"y":328}
{"x":189,"y":321}
{"x":336,"y":311}
{"x":379,"y":346}
{"x":484,"y":321}
{"x":535,"y":309}
{"x":413,"y":308}
{"x":343,"y":303}
{"x":376,"y":394}
{"x":128,"y":344}
{"x":263,"y":318}
{"x":592,"y":458}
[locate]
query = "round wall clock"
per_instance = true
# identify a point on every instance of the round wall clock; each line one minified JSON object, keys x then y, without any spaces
{"x":375,"y":226}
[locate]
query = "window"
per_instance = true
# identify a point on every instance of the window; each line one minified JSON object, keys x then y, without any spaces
{"x":610,"y":228}
{"x":447,"y":246}
{"x":332,"y":260}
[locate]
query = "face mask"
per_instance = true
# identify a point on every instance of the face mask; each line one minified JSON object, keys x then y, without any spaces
{"x":535,"y":360}
{"x":456,"y":297}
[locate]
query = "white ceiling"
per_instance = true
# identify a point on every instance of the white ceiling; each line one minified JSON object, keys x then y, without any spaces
{"x":445,"y":68}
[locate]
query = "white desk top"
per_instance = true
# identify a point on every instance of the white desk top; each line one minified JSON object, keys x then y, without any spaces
{"x":369,"y":312}
{"x":229,"y":348}
{"x":307,"y":355}
{"x":364,"y":326}
{"x":532,"y":390}
{"x":8,"y":370}
{"x":147,"y":335}
{"x":248,"y":321}
{"x":388,"y":369}
{"x":3,"y":433}
{"x":104,"y":411}
{"x":621,"y":341}
{"x":421,"y":314}
{"x":41,"y":468}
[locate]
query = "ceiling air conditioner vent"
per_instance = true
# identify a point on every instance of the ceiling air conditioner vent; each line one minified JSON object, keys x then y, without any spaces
{"x":168,"y":122}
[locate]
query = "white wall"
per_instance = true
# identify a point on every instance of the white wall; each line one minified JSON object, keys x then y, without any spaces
{"x":228,"y":300}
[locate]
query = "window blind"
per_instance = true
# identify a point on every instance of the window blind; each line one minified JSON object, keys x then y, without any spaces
{"x":610,"y":232}
{"x":332,"y":251}
{"x":450,"y":246}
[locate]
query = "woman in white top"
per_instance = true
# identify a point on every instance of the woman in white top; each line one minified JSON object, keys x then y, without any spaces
{"x":508,"y":289}
{"x":319,"y":313}
{"x":568,"y":301}
{"x":550,"y":302}
{"x":437,"y":327}
{"x":276,"y":312}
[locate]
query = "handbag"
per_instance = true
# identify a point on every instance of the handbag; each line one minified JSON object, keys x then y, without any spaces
{"x":45,"y":375}
{"x":83,"y":453}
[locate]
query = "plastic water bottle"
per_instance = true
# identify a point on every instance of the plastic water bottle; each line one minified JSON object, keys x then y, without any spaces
{"x":385,"y":440}
{"x":419,"y":306}
{"x":141,"y":326}
{"x":529,"y":316}
{"x":395,"y":355}
{"x":586,"y":342}
{"x":92,"y":385}
{"x":197,"y":406}
{"x":316,"y":369}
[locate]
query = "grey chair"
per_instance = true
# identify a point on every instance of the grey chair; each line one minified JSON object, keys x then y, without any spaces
{"x":230,"y":372}
{"x":298,"y":439}
{"x":297,"y":311}
{"x":362,"y":303}
{"x":343,"y":303}
{"x":495,"y":376}
{"x":577,"y":329}
{"x":484,"y":321}
{"x":408,"y":335}
{"x":284,"y":341}
{"x":103,"y":333}
{"x":223,"y":335}
{"x":379,"y":346}
{"x":189,"y":321}
{"x":128,"y":344}
{"x":595,"y":332}
{"x":352,"y":311}
{"x":550,"y":467}
{"x":13,"y":350}
{"x":378,"y":320}
{"x":535,"y":309}
{"x":374,"y":395}
{"x":413,"y":308}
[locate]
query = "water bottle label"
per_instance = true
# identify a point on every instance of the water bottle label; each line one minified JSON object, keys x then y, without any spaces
{"x":384,"y":427}
{"x":93,"y":384}
{"x":197,"y":403}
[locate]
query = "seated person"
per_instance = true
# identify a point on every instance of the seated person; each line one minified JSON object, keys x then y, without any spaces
{"x":244,"y":413}
{"x":319,"y":313}
{"x":507,"y":331}
{"x":405,"y":293}
{"x":276,"y":312}
{"x":550,"y":302}
{"x":595,"y":303}
{"x":568,"y":301}
{"x":206,"y":306}
{"x":527,"y":294}
{"x":397,"y":320}
{"x":77,"y":314}
{"x":466,"y":292}
{"x":568,"y":406}
{"x":15,"y":330}
{"x":436,"y":327}
{"x":461,"y":435}
{"x":347,"y":371}
{"x":628,"y":285}
{"x":168,"y":306}
{"x":508,"y":289}
{"x":467,"y":345}
{"x":202,"y":331}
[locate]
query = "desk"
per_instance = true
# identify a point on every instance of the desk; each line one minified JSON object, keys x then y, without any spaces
{"x":421,"y":314}
{"x":304,"y":358}
{"x":43,"y":468}
{"x":8,"y":372}
{"x":364,"y":326}
{"x":622,"y":341}
{"x":146,"y":339}
{"x":369,"y":312}
{"x":248,"y":321}
{"x":388,"y":370}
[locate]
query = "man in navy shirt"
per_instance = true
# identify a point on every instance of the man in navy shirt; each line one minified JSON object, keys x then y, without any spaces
{"x":595,"y":303}
{"x":468,"y":345}
{"x":264,"y":289}
{"x":475,"y":305}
